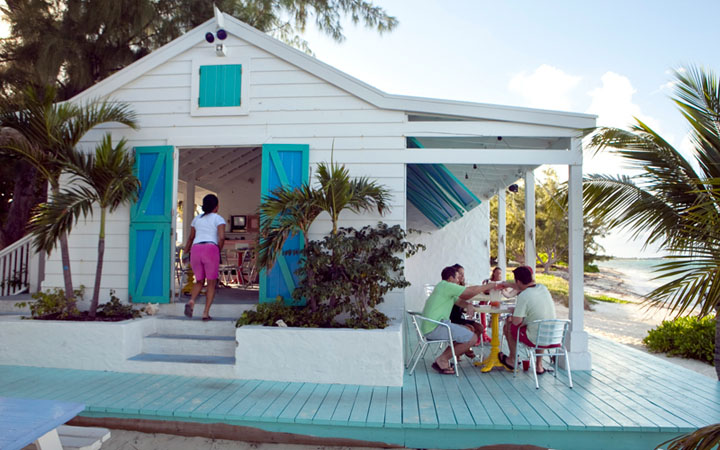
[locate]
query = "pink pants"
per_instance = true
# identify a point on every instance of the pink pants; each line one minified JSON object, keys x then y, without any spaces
{"x":205,"y":260}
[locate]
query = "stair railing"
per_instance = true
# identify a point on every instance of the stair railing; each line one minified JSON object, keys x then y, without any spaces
{"x":20,"y":268}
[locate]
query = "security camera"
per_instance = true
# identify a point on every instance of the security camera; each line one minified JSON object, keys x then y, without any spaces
{"x":221,"y":34}
{"x":209,"y":37}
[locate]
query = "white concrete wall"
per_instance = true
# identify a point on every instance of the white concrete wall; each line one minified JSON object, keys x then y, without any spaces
{"x":72,"y":345}
{"x":463,"y":242}
{"x":286,"y":105}
{"x":321,"y":355}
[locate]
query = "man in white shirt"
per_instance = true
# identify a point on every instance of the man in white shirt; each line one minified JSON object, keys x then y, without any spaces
{"x":534,"y":302}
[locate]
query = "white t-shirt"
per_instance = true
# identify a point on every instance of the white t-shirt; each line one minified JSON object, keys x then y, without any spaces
{"x":534,"y":303}
{"x":206,"y":227}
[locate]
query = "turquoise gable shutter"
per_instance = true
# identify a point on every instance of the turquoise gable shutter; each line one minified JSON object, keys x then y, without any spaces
{"x":150,"y":226}
{"x":282,"y":165}
{"x":220,"y":85}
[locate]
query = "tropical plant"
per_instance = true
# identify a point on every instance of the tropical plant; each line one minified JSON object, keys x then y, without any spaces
{"x":705,"y":438}
{"x":45,"y":135}
{"x":673,"y":200}
{"x":353,"y":270}
{"x":289,"y":211}
{"x":105,"y":178}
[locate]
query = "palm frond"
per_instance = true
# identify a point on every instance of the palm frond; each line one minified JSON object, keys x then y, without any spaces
{"x":56,"y":217}
{"x":620,"y":203}
{"x":705,"y":438}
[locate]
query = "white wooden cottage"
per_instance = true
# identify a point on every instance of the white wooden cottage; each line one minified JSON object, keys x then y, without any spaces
{"x":239,"y":115}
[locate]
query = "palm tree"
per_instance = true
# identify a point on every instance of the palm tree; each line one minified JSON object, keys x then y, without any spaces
{"x":288,"y":211}
{"x":674,"y":200}
{"x":45,"y":134}
{"x":338,"y":192}
{"x":106,"y":178}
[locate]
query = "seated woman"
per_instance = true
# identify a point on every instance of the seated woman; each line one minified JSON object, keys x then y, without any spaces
{"x":456,"y":314}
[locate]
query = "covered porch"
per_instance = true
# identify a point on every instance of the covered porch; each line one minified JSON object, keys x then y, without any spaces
{"x":486,"y":156}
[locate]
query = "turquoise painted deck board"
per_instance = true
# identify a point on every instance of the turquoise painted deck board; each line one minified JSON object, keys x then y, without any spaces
{"x":629,"y":400}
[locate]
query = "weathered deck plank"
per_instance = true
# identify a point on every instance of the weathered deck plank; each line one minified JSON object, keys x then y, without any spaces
{"x":630,"y":399}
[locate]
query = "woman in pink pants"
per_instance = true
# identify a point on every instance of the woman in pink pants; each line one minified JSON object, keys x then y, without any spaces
{"x":207,"y":237}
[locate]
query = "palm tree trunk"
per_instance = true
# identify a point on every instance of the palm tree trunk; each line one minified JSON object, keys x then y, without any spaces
{"x":65,"y":258}
{"x":98,"y":270}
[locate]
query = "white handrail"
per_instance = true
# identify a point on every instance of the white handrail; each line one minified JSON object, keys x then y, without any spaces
{"x":16,"y":264}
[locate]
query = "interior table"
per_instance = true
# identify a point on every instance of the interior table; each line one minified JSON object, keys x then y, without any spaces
{"x":493,"y":360}
{"x":24,"y":421}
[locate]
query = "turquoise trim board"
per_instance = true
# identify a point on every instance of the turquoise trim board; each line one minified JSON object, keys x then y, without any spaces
{"x":438,"y":194}
{"x":220,"y":85}
{"x":630,"y":400}
{"x":283,"y":165}
{"x":150,"y":226}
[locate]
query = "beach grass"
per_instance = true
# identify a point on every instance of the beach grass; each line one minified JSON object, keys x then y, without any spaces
{"x":605,"y":298}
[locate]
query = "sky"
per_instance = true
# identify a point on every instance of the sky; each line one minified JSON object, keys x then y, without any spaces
{"x":614,"y":59}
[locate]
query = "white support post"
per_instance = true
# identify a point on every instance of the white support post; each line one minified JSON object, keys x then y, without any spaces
{"x":501,"y":233}
{"x":530,"y":255}
{"x":577,"y":340}
{"x":188,"y":209}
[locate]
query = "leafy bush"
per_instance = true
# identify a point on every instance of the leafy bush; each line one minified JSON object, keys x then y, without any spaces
{"x":293,"y":315}
{"x":114,"y":308}
{"x":53,"y":303}
{"x":352,"y":271}
{"x":689,"y":337}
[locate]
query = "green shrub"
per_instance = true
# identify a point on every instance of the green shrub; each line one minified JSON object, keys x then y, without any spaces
{"x":114,"y":308}
{"x":689,"y":337}
{"x":293,"y":315}
{"x":352,"y":271}
{"x":52,"y":302}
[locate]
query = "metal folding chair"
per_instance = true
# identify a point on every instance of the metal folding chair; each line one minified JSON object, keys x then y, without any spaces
{"x":424,"y":343}
{"x":549,"y":341}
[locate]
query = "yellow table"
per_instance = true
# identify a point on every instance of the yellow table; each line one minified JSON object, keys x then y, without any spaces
{"x":492,"y":360}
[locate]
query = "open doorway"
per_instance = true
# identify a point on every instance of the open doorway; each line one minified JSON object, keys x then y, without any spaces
{"x":233,"y":174}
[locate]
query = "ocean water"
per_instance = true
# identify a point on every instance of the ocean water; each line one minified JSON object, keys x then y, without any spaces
{"x":637,"y":273}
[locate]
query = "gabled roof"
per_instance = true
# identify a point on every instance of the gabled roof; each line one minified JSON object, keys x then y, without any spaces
{"x":335,"y":77}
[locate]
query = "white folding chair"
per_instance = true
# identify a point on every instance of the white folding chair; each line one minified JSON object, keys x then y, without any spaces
{"x":549,"y":341}
{"x":424,"y":343}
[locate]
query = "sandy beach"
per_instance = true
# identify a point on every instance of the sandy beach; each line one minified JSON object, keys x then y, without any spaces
{"x":624,"y":323}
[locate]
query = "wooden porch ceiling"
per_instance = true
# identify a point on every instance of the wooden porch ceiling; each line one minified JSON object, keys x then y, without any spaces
{"x":485,"y":180}
{"x":214,"y":168}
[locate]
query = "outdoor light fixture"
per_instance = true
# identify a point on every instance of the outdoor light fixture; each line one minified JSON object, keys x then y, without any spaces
{"x":220,"y":50}
{"x":474,"y":166}
{"x":513,"y":188}
{"x":499,"y":138}
{"x":209,"y":37}
{"x":466,"y":176}
{"x":221,"y":34}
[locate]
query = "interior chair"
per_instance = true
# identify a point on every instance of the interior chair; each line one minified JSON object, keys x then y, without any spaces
{"x":229,"y":269}
{"x":549,"y":341}
{"x":423,"y":343}
{"x":248,"y":272}
{"x":180,"y":267}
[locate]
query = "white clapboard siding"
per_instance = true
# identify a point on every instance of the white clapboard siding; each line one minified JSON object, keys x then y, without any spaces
{"x":286,"y":105}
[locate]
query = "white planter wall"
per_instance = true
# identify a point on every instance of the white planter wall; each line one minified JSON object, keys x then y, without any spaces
{"x":315,"y":355}
{"x":72,"y":345}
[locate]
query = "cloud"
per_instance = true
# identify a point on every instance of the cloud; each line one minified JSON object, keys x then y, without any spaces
{"x":547,"y":87}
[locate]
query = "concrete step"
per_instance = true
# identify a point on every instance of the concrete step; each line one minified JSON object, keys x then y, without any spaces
{"x":181,"y":325}
{"x":188,"y":344}
{"x":217,"y":309}
{"x":183,"y":365}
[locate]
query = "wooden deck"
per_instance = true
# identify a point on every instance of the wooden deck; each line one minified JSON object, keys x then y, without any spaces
{"x":630,"y":400}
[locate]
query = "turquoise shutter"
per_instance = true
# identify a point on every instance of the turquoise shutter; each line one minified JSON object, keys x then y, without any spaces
{"x":282,"y":165}
{"x":150,"y":226}
{"x":220,"y":85}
